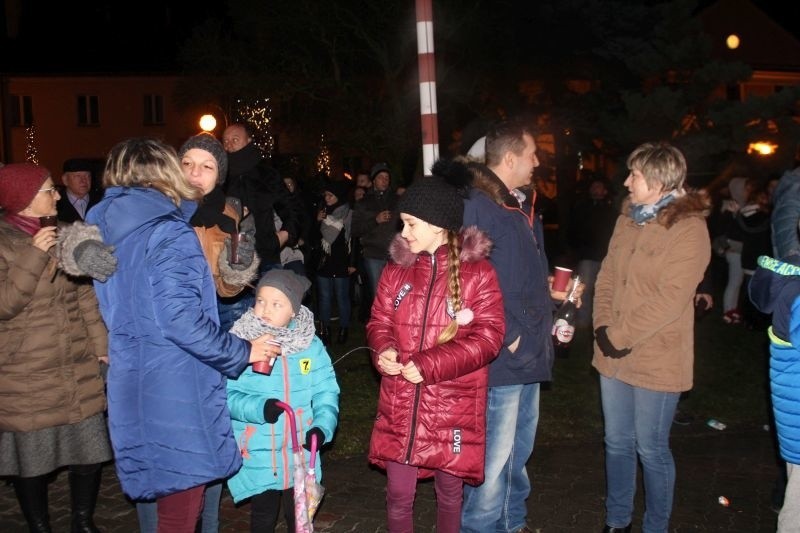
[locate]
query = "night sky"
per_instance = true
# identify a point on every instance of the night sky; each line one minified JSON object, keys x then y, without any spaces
{"x":112,"y":36}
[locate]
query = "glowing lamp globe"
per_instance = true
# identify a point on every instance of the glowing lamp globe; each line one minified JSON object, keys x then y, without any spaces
{"x":208,"y":123}
{"x":732,"y":41}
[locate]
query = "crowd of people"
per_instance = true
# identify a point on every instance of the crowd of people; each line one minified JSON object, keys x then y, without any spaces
{"x":217,"y":282}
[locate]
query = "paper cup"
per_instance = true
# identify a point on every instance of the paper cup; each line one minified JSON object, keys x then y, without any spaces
{"x":561,"y":277}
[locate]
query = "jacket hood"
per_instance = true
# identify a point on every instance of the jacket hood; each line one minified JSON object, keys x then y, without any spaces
{"x":490,"y":184}
{"x":124,"y":210}
{"x":691,"y":204}
{"x":774,"y":287}
{"x":475,"y":245}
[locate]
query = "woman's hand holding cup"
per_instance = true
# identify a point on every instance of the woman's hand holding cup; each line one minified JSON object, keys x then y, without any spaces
{"x":45,"y":238}
{"x":264,"y":348}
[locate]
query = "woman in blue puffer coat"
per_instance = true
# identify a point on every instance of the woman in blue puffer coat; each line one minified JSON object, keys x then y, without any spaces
{"x":167,"y":407}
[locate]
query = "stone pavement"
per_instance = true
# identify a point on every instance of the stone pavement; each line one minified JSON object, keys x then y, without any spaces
{"x":568,"y":490}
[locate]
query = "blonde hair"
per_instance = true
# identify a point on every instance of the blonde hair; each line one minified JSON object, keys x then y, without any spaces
{"x":453,"y":284}
{"x":148,"y":162}
{"x":661,"y":164}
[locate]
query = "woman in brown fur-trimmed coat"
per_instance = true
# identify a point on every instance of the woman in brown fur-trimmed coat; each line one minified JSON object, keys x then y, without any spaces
{"x":644,"y":330}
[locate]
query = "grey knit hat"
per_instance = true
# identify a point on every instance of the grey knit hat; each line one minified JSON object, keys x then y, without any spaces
{"x":292,"y":285}
{"x":438,"y":199}
{"x":209,"y":143}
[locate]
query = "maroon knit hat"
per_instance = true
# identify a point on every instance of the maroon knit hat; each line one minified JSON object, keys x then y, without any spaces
{"x":19,"y":184}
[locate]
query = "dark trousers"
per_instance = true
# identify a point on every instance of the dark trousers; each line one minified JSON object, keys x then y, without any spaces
{"x":264,"y":510}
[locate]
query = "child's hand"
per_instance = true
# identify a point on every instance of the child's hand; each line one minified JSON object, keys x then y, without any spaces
{"x":272,"y":411}
{"x":262,"y":349}
{"x":411,"y":373}
{"x":320,"y":438}
{"x":387,"y":363}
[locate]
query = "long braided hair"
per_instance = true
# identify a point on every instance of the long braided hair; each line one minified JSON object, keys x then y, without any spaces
{"x":453,"y":285}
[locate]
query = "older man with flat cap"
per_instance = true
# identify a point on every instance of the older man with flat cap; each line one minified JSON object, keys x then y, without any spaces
{"x":77,"y":195}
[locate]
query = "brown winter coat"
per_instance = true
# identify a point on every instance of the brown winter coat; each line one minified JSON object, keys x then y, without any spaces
{"x":52,"y":336}
{"x":645,"y":292}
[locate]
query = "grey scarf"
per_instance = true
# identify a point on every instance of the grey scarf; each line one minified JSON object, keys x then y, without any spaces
{"x":332,"y":225}
{"x":294,"y":338}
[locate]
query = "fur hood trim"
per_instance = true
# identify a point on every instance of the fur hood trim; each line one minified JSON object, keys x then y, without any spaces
{"x":691,"y":204}
{"x":487,"y":181}
{"x":475,"y":245}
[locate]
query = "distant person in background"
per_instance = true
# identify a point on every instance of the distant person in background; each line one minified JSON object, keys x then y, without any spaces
{"x":375,"y":222}
{"x":739,"y":191}
{"x":591,"y":225}
{"x":337,"y":261}
{"x":77,"y":195}
{"x":644,"y":330}
{"x":53,"y":340}
{"x":263,"y":194}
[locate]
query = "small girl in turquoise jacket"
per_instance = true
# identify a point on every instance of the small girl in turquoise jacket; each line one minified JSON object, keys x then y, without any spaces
{"x":301,"y":377}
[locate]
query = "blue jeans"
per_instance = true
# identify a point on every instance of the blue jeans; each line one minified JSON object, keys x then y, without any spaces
{"x":512,"y":414}
{"x":373,"y":268}
{"x":637,"y":424}
{"x":147,"y":512}
{"x":326,"y":287}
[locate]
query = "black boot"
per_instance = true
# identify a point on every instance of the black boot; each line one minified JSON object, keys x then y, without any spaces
{"x":84,"y":483}
{"x":342,"y":338}
{"x":32,"y":497}
{"x":609,"y":529}
{"x":324,"y":334}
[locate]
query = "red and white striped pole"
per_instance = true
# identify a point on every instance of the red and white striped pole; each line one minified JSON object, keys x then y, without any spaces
{"x":427,"y":84}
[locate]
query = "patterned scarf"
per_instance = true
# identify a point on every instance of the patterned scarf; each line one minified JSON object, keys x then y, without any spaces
{"x":296,"y":337}
{"x":641,"y":213}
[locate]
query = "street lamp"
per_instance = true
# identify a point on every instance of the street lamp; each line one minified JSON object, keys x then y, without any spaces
{"x":208,"y":123}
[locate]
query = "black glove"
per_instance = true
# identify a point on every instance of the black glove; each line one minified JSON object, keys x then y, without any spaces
{"x":601,"y":336}
{"x":320,"y":438}
{"x":272,"y":411}
{"x":246,"y":251}
{"x":95,"y":259}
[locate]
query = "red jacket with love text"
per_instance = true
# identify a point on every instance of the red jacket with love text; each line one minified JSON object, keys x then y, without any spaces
{"x":439,"y":424}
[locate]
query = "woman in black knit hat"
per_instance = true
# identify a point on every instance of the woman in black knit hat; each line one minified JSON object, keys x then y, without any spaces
{"x":437,"y":321}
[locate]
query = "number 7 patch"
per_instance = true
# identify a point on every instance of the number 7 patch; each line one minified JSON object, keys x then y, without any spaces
{"x":305,"y":366}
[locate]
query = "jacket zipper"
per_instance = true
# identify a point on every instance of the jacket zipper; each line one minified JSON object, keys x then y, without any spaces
{"x":417,"y":388}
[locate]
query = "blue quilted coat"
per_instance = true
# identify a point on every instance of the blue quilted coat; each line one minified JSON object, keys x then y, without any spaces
{"x":775,"y":288}
{"x":167,"y":406}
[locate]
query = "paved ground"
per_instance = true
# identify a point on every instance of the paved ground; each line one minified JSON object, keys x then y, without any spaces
{"x":568,"y":491}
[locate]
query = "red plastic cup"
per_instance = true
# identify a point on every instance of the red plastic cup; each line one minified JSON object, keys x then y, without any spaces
{"x":561,"y":278}
{"x":265,"y":367}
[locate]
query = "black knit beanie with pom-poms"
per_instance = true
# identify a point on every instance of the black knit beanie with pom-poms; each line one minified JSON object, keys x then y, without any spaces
{"x":438,"y":199}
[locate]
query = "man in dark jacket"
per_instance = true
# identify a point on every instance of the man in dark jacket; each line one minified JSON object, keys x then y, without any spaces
{"x":375,"y":223}
{"x":497,"y":206}
{"x":77,"y":195}
{"x":263,"y":193}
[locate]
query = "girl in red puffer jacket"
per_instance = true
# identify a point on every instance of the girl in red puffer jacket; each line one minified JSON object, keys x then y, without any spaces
{"x":437,"y":322}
